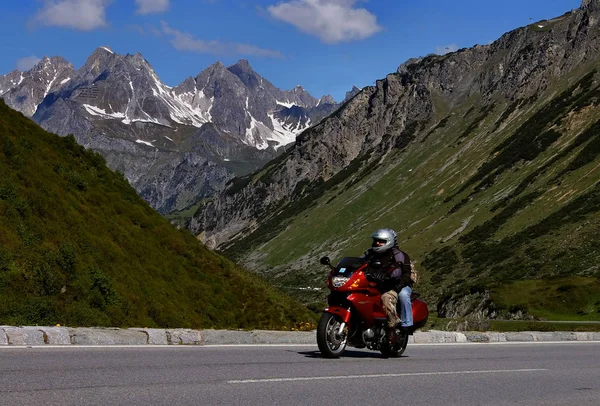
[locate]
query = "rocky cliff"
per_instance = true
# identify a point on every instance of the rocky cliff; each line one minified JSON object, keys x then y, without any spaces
{"x":521,"y":65}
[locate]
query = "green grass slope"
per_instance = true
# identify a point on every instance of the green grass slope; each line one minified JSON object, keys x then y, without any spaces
{"x":79,"y":247}
{"x":498,"y":203}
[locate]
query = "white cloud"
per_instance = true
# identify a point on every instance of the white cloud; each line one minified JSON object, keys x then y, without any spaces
{"x":186,"y":42}
{"x":152,"y":6}
{"x":445,"y":49}
{"x":78,"y":14}
{"x":332,"y":21}
{"x":28,"y":62}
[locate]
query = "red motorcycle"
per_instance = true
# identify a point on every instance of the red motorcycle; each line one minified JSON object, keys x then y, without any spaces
{"x":355,"y":315}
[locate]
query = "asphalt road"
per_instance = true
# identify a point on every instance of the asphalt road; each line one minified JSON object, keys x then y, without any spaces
{"x":446,"y":374}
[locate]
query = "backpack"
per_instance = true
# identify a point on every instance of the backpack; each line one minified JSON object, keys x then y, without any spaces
{"x":414,"y":275}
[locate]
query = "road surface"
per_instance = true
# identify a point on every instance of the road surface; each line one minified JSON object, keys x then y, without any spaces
{"x":428,"y":374}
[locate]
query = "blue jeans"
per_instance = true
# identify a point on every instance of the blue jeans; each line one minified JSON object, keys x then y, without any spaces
{"x":405,"y":306}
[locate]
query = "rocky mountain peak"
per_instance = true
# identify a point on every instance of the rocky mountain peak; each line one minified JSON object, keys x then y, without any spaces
{"x":98,"y":60}
{"x":590,"y":4}
{"x":187,"y":86}
{"x":403,"y":68}
{"x":247,"y":75}
{"x":105,"y":48}
{"x":301,"y":97}
{"x":24,"y":91}
{"x":55,"y":62}
{"x":213,"y":71}
{"x":217,"y":66}
{"x":351,"y":93}
{"x":101,"y":52}
{"x":138,"y":61}
{"x":10,"y":80}
{"x":241,"y":65}
{"x":137,"y":57}
{"x":328,"y":99}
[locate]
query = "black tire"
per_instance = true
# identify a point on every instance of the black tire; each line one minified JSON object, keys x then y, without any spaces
{"x":397,"y":349}
{"x":330,"y":343}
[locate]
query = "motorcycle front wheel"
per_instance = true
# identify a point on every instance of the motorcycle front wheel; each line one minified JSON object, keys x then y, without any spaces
{"x":330,"y":342}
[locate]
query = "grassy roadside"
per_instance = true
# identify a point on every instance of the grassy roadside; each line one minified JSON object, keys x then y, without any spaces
{"x":445,"y":324}
{"x":517,"y":325}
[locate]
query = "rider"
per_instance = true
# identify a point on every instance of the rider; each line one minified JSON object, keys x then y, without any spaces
{"x":390,"y":267}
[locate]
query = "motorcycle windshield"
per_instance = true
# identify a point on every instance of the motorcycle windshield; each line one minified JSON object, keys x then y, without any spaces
{"x":347,"y":266}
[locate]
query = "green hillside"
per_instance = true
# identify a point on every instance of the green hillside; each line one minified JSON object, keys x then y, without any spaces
{"x":79,"y":247}
{"x":499,"y":204}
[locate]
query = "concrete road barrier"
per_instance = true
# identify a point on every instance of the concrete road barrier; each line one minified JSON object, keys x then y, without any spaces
{"x":41,"y":336}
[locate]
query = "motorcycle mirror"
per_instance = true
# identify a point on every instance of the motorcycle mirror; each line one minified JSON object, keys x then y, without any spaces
{"x":325,"y":261}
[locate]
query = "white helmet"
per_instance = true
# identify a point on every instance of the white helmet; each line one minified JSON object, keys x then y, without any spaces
{"x":383,"y":240}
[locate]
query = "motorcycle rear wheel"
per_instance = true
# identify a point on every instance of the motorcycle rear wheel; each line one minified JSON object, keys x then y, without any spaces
{"x":397,"y":349}
{"x":330,"y":343}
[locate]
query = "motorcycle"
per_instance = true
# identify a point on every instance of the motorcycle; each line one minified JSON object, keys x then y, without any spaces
{"x":355,"y":315}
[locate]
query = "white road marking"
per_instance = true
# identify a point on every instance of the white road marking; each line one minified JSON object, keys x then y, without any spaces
{"x":318,"y":378}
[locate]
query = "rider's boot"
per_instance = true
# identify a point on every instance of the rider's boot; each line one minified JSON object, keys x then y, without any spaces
{"x":405,"y":330}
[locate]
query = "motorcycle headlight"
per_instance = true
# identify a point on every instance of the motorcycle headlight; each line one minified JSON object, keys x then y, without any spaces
{"x":339,"y":281}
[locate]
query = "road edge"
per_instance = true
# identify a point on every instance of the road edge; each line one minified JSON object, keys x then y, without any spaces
{"x":48,"y":335}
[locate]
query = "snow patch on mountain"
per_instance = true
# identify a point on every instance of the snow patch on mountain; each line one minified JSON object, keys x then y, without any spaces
{"x":281,"y":134}
{"x":188,"y":108}
{"x":285,"y":104}
{"x":144,"y":142}
{"x":253,"y":133}
{"x":50,"y":83}
{"x":97,"y":111}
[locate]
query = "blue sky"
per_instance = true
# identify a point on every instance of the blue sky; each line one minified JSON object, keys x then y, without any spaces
{"x":327,"y":46}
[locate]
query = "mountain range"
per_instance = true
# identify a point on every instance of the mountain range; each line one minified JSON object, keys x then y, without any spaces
{"x":484,"y":160}
{"x":175,"y":145}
